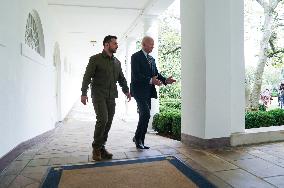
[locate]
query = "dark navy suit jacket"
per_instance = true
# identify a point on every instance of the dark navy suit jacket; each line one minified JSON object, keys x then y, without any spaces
{"x":141,"y":74}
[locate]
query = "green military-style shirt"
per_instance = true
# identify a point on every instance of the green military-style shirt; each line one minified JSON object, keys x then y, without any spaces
{"x":103,"y":72}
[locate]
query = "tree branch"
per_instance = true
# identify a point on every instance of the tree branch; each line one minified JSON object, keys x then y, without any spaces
{"x":172,"y":51}
{"x":275,"y":52}
{"x":262,"y":3}
{"x":177,"y":18}
{"x":279,"y":25}
{"x":271,"y":46}
{"x":274,"y":4}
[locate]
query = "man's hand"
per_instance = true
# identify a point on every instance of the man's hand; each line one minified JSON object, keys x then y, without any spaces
{"x":128,"y":96}
{"x":170,"y":80}
{"x":84,"y":99}
{"x":155,"y":81}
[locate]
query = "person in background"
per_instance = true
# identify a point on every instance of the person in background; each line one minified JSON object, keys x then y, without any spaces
{"x":266,"y":97}
{"x":281,"y":95}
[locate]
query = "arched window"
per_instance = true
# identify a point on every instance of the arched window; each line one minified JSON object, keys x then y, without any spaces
{"x":34,"y":35}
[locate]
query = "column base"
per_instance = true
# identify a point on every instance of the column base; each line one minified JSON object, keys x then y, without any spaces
{"x":205,"y":143}
{"x":258,"y":135}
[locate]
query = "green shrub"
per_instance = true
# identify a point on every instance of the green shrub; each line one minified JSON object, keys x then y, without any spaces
{"x":278,"y":115}
{"x":259,"y":119}
{"x":165,"y":121}
{"x":168,"y":122}
{"x":170,"y":104}
{"x":162,"y":122}
{"x":176,"y":126}
{"x":261,"y":107}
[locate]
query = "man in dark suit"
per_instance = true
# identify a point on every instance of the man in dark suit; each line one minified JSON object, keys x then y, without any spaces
{"x":144,"y":77}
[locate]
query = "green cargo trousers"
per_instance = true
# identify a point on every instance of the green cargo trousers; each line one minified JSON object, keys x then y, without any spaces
{"x":105,"y":109}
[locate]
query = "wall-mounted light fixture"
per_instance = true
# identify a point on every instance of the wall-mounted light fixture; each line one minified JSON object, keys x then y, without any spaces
{"x":93,"y":42}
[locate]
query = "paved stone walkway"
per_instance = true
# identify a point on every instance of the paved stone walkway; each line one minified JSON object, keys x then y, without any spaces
{"x":253,"y":166}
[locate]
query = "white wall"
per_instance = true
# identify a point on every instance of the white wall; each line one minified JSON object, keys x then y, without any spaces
{"x":71,"y":79}
{"x":27,"y":102}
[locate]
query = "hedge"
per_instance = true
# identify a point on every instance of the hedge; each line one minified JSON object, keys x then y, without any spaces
{"x":169,"y":121}
{"x":170,"y":104}
{"x":264,"y":119}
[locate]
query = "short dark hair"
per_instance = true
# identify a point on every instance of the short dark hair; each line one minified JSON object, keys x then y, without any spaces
{"x":108,"y":38}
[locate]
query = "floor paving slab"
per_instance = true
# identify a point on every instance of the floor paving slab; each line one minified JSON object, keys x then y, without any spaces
{"x":246,"y":166}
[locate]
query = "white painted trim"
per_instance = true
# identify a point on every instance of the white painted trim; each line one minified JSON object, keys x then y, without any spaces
{"x":29,"y":53}
{"x":94,"y":6}
{"x":258,"y":135}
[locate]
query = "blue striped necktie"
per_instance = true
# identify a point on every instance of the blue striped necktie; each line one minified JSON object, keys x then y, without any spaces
{"x":148,"y":58}
{"x":152,"y":66}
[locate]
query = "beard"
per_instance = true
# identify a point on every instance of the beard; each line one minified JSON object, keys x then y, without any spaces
{"x":112,"y":50}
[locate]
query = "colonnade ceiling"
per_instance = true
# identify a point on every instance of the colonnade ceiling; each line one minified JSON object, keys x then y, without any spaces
{"x":93,"y":19}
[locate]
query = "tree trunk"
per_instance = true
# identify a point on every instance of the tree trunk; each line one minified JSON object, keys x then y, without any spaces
{"x":247,"y":95}
{"x":267,"y":31}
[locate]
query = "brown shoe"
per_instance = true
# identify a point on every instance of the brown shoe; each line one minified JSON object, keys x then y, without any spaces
{"x":97,"y":155}
{"x":105,"y":154}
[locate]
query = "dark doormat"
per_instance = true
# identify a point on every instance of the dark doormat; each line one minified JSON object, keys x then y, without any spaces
{"x":159,"y":172}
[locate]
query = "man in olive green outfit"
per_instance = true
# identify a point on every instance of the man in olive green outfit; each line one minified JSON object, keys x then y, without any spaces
{"x":103,"y":72}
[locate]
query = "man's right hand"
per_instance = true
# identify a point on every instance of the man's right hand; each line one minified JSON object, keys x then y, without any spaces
{"x":84,"y":99}
{"x":155,"y":81}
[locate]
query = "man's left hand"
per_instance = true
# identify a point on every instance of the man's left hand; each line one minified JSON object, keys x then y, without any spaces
{"x":128,"y":95}
{"x":170,"y":80}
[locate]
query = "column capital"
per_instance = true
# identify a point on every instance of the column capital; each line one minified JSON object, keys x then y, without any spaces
{"x":149,"y":21}
{"x":150,"y":17}
{"x":130,"y":39}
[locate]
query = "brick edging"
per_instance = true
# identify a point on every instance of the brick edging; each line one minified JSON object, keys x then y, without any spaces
{"x":22,"y":147}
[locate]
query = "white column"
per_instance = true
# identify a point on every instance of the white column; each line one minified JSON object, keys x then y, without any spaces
{"x":213,"y":94}
{"x":151,"y":29}
{"x":131,"y":107}
{"x":130,"y":49}
{"x":120,"y":107}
